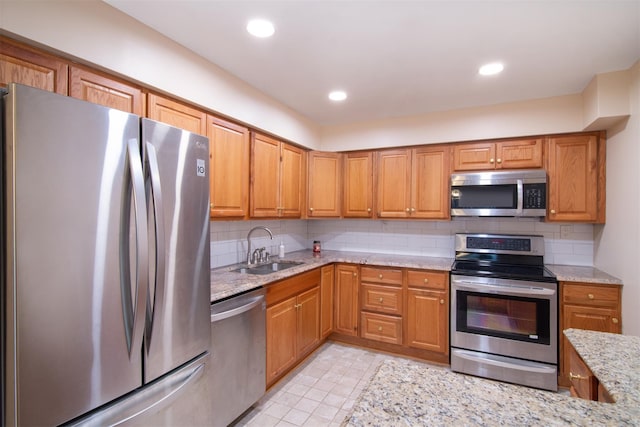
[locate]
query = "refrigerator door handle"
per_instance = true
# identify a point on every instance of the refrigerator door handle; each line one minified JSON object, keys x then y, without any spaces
{"x":142,"y":246}
{"x":155,"y":307}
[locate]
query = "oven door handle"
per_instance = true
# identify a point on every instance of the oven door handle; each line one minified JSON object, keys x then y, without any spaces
{"x":519,"y":290}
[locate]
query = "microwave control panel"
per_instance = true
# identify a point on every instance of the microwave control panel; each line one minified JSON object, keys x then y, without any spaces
{"x":535,"y":196}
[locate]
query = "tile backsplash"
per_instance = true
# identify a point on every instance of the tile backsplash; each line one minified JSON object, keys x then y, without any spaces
{"x":569,"y":244}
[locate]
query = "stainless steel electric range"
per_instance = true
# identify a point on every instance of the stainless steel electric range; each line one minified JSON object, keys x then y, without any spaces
{"x":504,"y":310}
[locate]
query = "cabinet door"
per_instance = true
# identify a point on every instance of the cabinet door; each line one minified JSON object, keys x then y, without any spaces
{"x":292,"y":181}
{"x":430,"y":183}
{"x":325,"y":183}
{"x":394,"y":184}
{"x":427,"y":320}
{"x":30,"y":67}
{"x":576,"y":179}
{"x":346,"y":300}
{"x":583,"y":382}
{"x":308,"y":330}
{"x":281,"y":337}
{"x":176,"y":114}
{"x":265,"y":176}
{"x":326,"y":300}
{"x":519,"y":154}
{"x":107,"y":91}
{"x":229,"y":169}
{"x":476,"y":156}
{"x":358,"y":185}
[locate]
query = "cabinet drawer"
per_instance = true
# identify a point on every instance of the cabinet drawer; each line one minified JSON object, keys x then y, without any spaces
{"x":381,"y":275}
{"x":381,"y":327}
{"x":428,"y":279}
{"x":384,"y":299}
{"x":584,"y":294}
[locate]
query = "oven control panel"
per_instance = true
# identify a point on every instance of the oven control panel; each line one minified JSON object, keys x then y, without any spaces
{"x":499,"y":243}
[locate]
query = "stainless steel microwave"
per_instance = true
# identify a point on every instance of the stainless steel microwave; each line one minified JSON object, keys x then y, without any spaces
{"x":499,"y":193}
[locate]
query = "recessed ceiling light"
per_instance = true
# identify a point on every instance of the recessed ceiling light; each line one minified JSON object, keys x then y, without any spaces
{"x":260,"y":28}
{"x":338,"y":95}
{"x":491,"y":69}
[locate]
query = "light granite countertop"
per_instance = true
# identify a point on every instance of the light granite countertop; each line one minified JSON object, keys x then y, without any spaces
{"x":226,"y":283}
{"x":411,"y":393}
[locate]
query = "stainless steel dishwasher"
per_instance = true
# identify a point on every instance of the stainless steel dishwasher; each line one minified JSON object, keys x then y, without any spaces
{"x":238,"y":354}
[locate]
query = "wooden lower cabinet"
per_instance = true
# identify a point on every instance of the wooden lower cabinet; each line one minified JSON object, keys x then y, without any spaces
{"x":590,"y":306}
{"x":293,"y":322}
{"x":346,"y":300}
{"x":326,"y":300}
{"x":583,"y":383}
{"x":428,"y":310}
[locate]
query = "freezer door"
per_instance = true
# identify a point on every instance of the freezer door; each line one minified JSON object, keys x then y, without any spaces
{"x":177,"y":173}
{"x":70,"y":344}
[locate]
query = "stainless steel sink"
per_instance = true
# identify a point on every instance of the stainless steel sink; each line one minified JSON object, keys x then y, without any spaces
{"x":268,"y":268}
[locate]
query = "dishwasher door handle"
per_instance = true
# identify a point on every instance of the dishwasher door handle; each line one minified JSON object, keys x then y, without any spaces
{"x":253,"y":302}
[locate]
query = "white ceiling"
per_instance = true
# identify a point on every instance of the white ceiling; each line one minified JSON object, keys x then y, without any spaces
{"x":399,"y":58}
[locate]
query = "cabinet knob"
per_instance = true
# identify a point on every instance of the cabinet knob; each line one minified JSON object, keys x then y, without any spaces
{"x":379,"y":276}
{"x":355,"y":274}
{"x":407,"y":209}
{"x":553,"y":211}
{"x":380,"y":328}
{"x":441,"y":301}
{"x":426,"y":280}
{"x":368,"y":209}
{"x":311,"y":209}
{"x":573,"y":376}
{"x":211,"y":206}
{"x":590,"y":296}
{"x":615,"y":320}
{"x":499,"y":160}
{"x":381,"y":300}
{"x":491,"y":161}
{"x":413,"y":209}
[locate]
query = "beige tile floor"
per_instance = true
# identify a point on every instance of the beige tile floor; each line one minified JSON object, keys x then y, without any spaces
{"x":319,"y":392}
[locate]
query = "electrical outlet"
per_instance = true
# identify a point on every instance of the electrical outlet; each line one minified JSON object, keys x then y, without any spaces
{"x":565,"y":231}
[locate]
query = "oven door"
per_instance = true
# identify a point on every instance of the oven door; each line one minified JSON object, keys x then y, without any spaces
{"x":513,"y":318}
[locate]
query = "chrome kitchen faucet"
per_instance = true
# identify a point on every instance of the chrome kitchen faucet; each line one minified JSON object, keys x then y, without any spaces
{"x":251,"y":257}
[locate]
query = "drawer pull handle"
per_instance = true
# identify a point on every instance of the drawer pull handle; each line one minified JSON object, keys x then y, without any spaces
{"x":380,"y":328}
{"x":573,"y":376}
{"x":426,"y":280}
{"x":381,"y":300}
{"x":615,"y":320}
{"x":590,"y":296}
{"x":380,"y":276}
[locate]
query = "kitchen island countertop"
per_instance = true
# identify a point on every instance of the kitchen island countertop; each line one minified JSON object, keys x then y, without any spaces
{"x":226,"y":283}
{"x":414,"y":393}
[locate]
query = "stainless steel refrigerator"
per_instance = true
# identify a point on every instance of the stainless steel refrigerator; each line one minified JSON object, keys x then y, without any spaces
{"x":105,"y":266}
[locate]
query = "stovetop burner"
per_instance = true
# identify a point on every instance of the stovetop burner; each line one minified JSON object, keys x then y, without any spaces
{"x":501,"y":256}
{"x":503,"y":271}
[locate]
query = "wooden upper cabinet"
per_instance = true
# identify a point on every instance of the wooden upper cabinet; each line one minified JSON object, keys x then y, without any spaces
{"x":430,"y":182}
{"x":229,"y":168}
{"x":100,"y":89}
{"x":508,"y":154}
{"x":394,"y":183}
{"x":277,"y":179}
{"x":576,"y":169}
{"x":358,"y":185}
{"x":31,"y":67}
{"x":176,"y":114}
{"x":292,"y":180}
{"x":325,"y":183}
{"x":413,"y":183}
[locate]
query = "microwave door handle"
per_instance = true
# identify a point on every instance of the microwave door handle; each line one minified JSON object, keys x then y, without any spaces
{"x":520,"y":186}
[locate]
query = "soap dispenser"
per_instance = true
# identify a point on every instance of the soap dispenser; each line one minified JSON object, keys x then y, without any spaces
{"x":281,"y":250}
